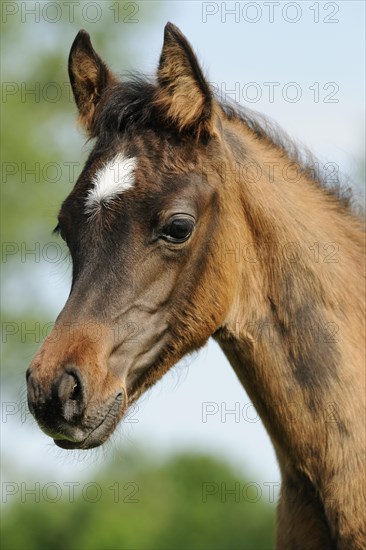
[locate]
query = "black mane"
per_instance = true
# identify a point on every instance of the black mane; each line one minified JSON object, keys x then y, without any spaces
{"x":269,"y":130}
{"x":130,"y":107}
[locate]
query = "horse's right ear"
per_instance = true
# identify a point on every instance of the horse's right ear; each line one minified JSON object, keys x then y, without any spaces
{"x":89,"y":78}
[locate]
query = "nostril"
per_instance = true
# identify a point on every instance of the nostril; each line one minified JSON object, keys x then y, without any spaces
{"x":76,"y":392}
{"x":69,"y":387}
{"x":70,"y":394}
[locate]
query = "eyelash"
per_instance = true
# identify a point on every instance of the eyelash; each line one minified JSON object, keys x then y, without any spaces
{"x":57,"y":230}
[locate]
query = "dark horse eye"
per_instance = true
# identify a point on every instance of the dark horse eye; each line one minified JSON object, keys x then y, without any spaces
{"x":178,"y":230}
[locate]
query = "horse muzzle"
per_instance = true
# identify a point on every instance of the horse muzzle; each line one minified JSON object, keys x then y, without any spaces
{"x":64,"y":410}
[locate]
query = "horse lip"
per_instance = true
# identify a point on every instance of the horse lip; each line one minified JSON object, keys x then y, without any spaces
{"x":67,"y":443}
{"x":67,"y":433}
{"x":100,"y":433}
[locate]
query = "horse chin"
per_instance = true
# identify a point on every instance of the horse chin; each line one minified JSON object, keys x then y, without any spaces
{"x":85,"y":444}
{"x":100,"y":433}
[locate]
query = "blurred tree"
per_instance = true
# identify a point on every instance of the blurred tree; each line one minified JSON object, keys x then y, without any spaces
{"x":189,"y":503}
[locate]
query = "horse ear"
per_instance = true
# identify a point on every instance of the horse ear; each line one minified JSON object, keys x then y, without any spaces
{"x":89,"y":77}
{"x":183,"y":93}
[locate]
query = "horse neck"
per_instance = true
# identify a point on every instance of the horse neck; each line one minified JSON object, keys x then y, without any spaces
{"x":293,"y":331}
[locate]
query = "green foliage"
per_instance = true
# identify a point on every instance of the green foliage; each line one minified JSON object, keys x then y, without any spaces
{"x":185,"y":504}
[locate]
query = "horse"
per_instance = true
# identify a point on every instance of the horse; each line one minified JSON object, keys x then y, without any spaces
{"x":196,"y":218}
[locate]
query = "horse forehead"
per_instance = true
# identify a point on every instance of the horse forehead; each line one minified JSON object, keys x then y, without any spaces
{"x":114,"y":177}
{"x":146,"y":162}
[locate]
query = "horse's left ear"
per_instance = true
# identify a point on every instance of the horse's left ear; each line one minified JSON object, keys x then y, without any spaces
{"x":89,"y":78}
{"x":183,"y":93}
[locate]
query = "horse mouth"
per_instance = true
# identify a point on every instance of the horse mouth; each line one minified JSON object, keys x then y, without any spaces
{"x":100,"y":433}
